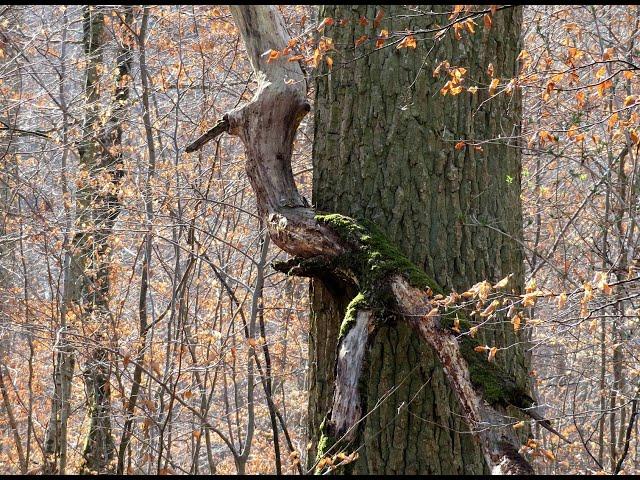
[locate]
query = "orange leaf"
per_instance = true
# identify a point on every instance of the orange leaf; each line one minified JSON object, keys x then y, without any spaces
{"x":329,"y":61}
{"x":433,"y":312}
{"x":327,"y":22}
{"x":273,"y":54}
{"x":492,"y":354}
{"x":546,"y":137}
{"x":317,"y":56}
{"x":470,"y":25}
{"x":384,"y":34}
{"x":504,"y":282}
{"x":459,"y":145}
{"x":490,"y":309}
{"x":487,"y":21}
{"x":378,"y":19}
{"x":516,"y":322}
{"x":456,"y":11}
{"x":494,"y":85}
{"x":443,"y":64}
{"x":360,"y":40}
{"x":456,"y":325}
{"x":407,"y":42}
{"x":562,"y":300}
{"x":604,"y":86}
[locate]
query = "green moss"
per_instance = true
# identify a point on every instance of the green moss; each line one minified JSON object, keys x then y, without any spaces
{"x":376,"y":258}
{"x":324,"y":444}
{"x":359,"y":302}
{"x":496,"y":385}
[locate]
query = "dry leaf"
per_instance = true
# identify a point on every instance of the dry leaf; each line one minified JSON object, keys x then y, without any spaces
{"x":493,"y":86}
{"x":492,"y":354}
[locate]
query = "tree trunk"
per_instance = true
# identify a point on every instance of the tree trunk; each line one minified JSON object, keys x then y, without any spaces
{"x":87,"y":276}
{"x":384,"y":151}
{"x":356,"y":261}
{"x":8,"y":139}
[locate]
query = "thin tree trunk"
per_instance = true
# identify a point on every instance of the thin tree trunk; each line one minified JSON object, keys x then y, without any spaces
{"x":86,"y":286}
{"x":148,"y":246}
{"x":8,"y":139}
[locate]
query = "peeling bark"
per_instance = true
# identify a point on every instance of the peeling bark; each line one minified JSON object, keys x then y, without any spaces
{"x":346,"y":410}
{"x":267,"y":126}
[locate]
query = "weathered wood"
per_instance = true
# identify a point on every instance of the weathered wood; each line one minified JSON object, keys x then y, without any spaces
{"x":267,"y":127}
{"x":497,"y":445}
{"x":219,"y":128}
{"x":346,"y":410}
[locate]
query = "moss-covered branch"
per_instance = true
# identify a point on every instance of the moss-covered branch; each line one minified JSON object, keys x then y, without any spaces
{"x":374,"y":261}
{"x":380,"y":271}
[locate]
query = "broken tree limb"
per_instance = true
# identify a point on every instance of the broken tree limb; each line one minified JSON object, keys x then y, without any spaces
{"x":218,"y":129}
{"x":359,"y":253}
{"x":498,"y":446}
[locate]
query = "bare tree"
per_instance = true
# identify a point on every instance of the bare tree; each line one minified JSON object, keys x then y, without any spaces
{"x":87,"y":277}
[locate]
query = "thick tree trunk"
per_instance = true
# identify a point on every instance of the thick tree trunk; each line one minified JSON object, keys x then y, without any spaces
{"x":383,"y":288}
{"x":384,"y":151}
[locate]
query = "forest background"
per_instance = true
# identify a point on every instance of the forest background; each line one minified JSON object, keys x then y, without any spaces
{"x":188,"y":251}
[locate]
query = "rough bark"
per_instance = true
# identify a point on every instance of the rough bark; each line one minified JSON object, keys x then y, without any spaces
{"x":352,"y":257}
{"x":384,"y":151}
